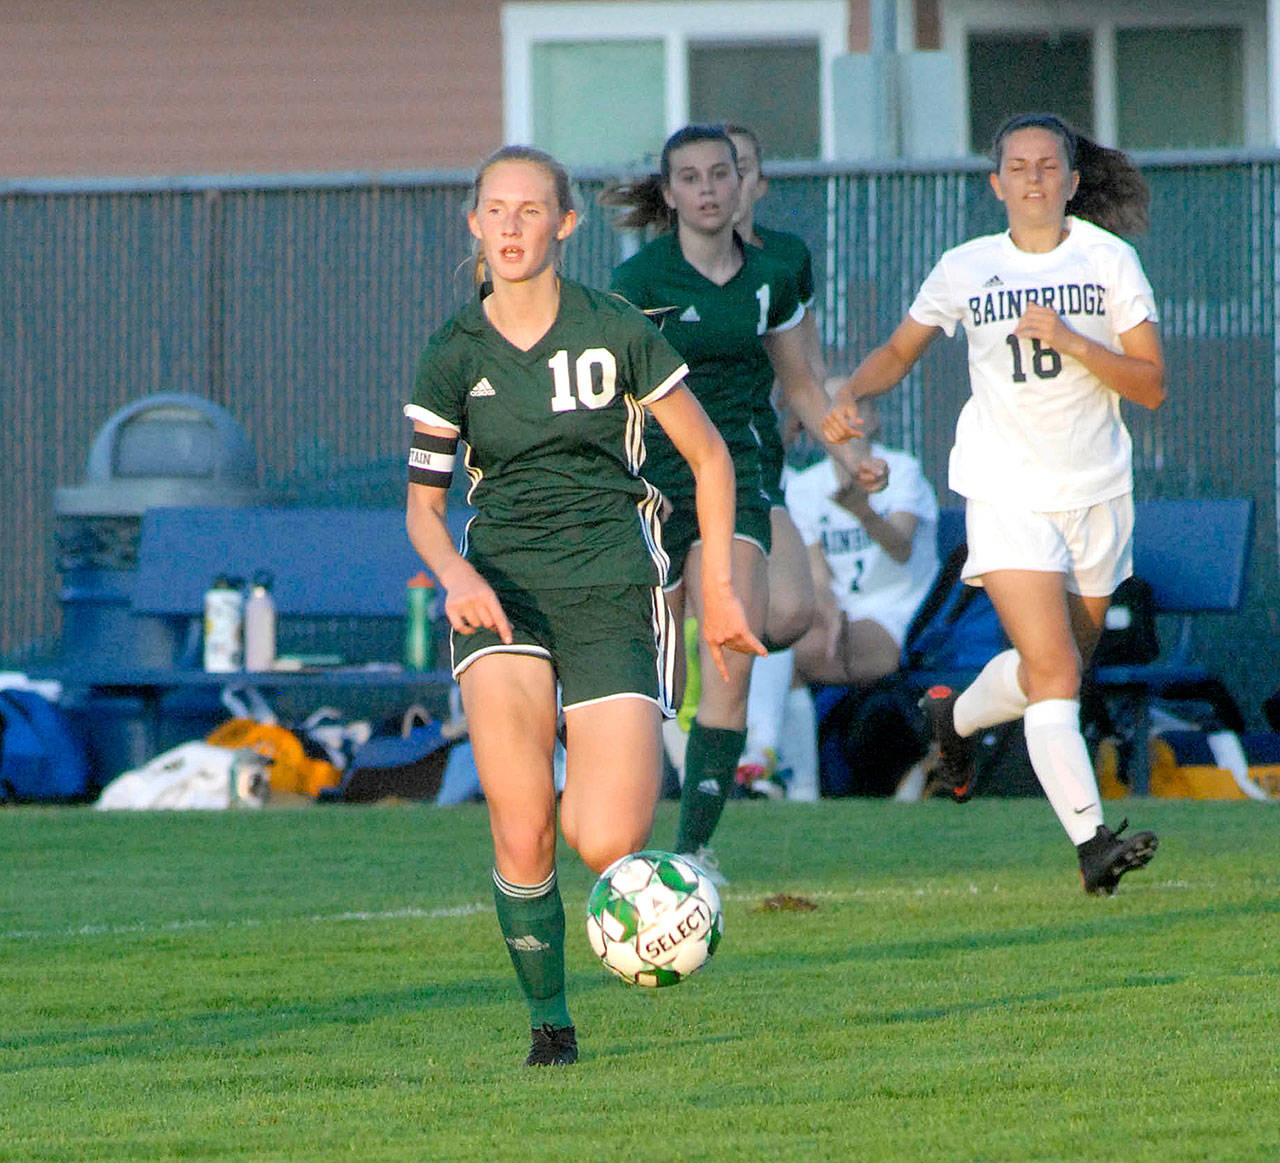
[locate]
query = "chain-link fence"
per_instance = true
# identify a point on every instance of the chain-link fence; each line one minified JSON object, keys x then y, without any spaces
{"x":300,"y":306}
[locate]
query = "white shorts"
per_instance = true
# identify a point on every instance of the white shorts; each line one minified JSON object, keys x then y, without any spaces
{"x":1093,"y":547}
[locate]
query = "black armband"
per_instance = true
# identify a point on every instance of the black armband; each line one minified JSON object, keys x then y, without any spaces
{"x":431,"y":460}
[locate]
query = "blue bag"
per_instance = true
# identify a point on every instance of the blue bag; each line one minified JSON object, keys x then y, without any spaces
{"x":41,"y":760}
{"x":956,"y":627}
{"x":407,"y":762}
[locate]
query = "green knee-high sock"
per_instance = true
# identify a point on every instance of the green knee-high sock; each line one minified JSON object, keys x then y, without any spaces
{"x":709,"y":767}
{"x":532,"y":921}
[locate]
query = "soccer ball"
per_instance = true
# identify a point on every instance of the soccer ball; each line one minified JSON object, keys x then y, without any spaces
{"x":653,"y":918}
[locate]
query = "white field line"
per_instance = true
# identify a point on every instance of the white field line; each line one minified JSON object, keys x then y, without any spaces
{"x":883,"y":892}
{"x":197,"y":924}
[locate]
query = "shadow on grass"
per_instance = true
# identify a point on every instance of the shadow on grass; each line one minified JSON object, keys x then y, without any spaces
{"x":957,"y":1009}
{"x":1128,"y":924}
{"x":88,"y":1045}
{"x":244,"y":1025}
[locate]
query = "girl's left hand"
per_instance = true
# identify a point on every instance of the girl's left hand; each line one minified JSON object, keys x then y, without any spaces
{"x":1046,"y":325}
{"x":724,"y":625}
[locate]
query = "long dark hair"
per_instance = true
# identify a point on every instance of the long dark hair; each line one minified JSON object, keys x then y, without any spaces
{"x":1111,"y":193}
{"x":641,"y":199}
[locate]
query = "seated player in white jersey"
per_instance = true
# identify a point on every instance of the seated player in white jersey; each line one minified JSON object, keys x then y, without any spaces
{"x":874,"y":557}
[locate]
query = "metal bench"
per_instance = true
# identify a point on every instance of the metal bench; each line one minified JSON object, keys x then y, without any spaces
{"x":1194,"y":554}
{"x":327,"y":564}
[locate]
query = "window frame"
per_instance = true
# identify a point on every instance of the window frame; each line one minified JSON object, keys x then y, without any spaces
{"x":1100,"y":20}
{"x":677,"y":24}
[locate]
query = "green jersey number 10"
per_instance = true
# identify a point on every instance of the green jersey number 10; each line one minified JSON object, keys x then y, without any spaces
{"x":584,"y":385}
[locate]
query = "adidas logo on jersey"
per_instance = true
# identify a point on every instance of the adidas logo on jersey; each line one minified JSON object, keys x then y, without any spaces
{"x":482,"y":388}
{"x":528,"y":944}
{"x":690,"y":315}
{"x":994,"y":281}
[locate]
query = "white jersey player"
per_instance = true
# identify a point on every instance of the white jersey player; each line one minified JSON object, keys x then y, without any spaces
{"x":1061,"y":324}
{"x":875,"y":555}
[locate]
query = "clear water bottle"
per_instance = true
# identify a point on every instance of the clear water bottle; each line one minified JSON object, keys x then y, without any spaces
{"x":260,"y":624}
{"x":223,"y":626}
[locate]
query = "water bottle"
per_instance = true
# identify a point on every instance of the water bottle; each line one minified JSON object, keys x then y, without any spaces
{"x":420,"y":595}
{"x":260,"y":624}
{"x":223,"y":626}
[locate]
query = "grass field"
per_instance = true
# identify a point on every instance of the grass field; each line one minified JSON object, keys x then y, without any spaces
{"x":329,"y":984}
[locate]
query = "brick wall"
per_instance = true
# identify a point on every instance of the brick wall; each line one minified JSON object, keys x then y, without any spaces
{"x":171,"y":87}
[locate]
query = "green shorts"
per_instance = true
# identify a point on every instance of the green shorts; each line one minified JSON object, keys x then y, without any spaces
{"x":602,"y":641}
{"x":772,"y":458}
{"x":680,"y":532}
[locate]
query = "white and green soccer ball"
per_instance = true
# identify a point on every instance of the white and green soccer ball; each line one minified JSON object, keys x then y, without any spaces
{"x":653,"y":918}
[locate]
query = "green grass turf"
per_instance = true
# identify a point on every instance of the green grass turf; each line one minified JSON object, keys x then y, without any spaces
{"x":329,"y":984}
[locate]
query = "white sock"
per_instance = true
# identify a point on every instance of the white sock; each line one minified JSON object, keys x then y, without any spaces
{"x":993,"y":697}
{"x":1061,"y":762}
{"x":798,"y":746}
{"x":766,"y":705}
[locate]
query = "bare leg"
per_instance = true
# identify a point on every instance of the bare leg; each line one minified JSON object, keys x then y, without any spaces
{"x":613,"y":778}
{"x":790,"y":583}
{"x":718,"y":733}
{"x":865,"y":652}
{"x":1040,"y":621}
{"x":510,"y":702}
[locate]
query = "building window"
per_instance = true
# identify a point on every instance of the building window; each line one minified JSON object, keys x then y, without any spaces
{"x":1011,"y":74}
{"x":1183,"y":88}
{"x":600,"y":102}
{"x":724,"y":85}
{"x":1180,"y":74}
{"x":605,"y":84}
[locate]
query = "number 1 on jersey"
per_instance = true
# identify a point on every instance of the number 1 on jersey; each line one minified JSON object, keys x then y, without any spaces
{"x":762,"y":296}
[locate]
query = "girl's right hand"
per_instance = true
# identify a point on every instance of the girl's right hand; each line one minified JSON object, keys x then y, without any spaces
{"x":842,"y":422}
{"x":471,"y":603}
{"x":872,"y":475}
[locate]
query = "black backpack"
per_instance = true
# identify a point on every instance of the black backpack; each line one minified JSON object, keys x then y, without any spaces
{"x":868,"y":737}
{"x":1129,"y":635}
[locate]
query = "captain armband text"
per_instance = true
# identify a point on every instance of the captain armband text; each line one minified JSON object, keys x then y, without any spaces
{"x":431,"y":460}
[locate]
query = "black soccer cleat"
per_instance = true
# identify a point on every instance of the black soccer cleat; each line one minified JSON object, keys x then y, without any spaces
{"x":953,"y":774}
{"x":1106,"y":858}
{"x":553,"y":1046}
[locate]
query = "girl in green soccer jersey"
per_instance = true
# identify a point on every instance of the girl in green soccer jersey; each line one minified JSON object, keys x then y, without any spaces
{"x":1061,"y":325}
{"x":560,"y":576}
{"x":790,"y":586}
{"x":791,"y":592}
{"x":732,"y":312}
